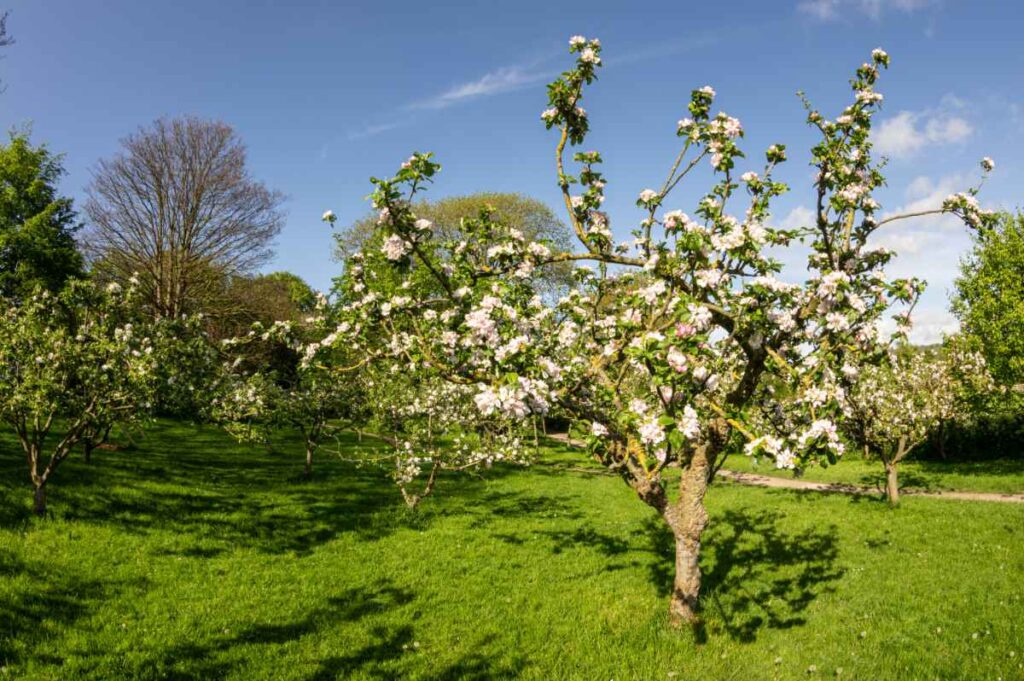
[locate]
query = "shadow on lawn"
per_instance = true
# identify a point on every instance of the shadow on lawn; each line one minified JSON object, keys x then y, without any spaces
{"x":756,"y":574}
{"x":31,"y":616}
{"x":212,"y":495}
{"x":372,"y":660}
{"x":908,"y":480}
{"x":390,"y":650}
{"x":230,"y":652}
{"x":762,"y":575}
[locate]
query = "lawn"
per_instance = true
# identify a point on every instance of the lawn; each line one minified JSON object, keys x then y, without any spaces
{"x":1000,"y":475}
{"x":191,"y":557}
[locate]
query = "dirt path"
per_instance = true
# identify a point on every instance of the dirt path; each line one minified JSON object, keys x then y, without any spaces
{"x":785,"y":483}
{"x":806,"y":485}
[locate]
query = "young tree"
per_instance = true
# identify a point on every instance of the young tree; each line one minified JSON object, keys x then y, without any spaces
{"x":665,"y":348}
{"x":433,"y":425}
{"x":179,"y":209}
{"x":310,"y":398}
{"x":989,"y":297}
{"x":892,"y":408}
{"x":37,"y":225}
{"x":80,"y":358}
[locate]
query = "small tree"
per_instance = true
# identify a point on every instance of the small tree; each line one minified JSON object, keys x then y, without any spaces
{"x":79,"y":359}
{"x":311,"y":398}
{"x":893,"y":407}
{"x":179,"y":210}
{"x":433,"y":425}
{"x":37,"y":225}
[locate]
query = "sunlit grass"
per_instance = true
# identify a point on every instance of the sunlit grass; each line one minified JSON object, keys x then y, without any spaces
{"x":191,"y":557}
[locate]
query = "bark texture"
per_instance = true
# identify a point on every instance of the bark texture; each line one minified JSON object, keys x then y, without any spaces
{"x":308,"y":470}
{"x":892,"y":488}
{"x":688,"y":518}
{"x":39,"y":500}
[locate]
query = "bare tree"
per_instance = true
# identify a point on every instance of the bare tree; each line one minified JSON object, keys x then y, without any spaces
{"x":6,"y":39}
{"x":178,"y":208}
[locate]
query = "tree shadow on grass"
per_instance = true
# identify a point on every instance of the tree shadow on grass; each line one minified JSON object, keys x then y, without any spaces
{"x":376,"y":660}
{"x":43,"y":600}
{"x":492,"y":506}
{"x":210,"y":495}
{"x":229,"y":653}
{"x":756,"y":573}
{"x":908,"y":481}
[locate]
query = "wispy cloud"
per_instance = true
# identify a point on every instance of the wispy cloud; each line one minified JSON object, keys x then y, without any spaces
{"x":833,"y":10}
{"x":372,"y":130}
{"x":515,"y":77}
{"x":505,"y":79}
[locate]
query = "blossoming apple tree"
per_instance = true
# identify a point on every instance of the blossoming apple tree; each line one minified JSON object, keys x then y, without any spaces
{"x":893,"y":406}
{"x":82,"y":357}
{"x":667,"y":344}
{"x":252,"y":404}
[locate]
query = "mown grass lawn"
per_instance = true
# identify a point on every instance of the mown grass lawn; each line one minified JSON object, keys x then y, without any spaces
{"x":191,"y":557}
{"x":1000,"y":475}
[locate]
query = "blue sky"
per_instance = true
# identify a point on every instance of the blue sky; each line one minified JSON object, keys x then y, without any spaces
{"x":326,"y":94}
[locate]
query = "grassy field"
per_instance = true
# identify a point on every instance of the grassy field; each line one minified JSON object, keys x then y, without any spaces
{"x":1002,"y":475}
{"x":191,"y":557}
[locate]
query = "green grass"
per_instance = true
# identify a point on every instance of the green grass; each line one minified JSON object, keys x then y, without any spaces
{"x":1000,"y":475}
{"x":191,"y":557}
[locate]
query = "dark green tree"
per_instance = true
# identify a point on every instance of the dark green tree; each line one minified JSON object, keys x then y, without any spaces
{"x":37,"y":225}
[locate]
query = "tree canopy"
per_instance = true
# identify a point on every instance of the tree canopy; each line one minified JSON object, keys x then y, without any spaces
{"x":37,"y":224}
{"x":533,"y":218}
{"x":989,"y":297}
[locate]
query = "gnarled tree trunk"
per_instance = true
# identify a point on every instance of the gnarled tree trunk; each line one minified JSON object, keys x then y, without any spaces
{"x":688,"y":518}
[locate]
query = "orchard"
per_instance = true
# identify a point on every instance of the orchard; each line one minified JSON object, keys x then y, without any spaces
{"x":522,"y":408}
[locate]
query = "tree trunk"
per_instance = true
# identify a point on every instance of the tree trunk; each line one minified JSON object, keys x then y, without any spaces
{"x":39,"y":500}
{"x":88,"y":447}
{"x":309,"y":461}
{"x":892,"y":488}
{"x":688,"y":518}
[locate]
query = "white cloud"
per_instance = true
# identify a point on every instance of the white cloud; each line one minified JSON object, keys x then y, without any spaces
{"x":931,"y":325}
{"x":502,"y":80}
{"x":907,"y":133}
{"x":831,"y":10}
{"x":801,"y":216}
{"x":906,"y":242}
{"x":373,"y":130}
